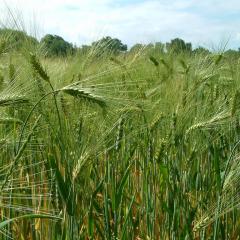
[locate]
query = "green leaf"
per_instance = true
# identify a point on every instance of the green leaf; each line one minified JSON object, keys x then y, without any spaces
{"x":29,"y":216}
{"x":121,"y":185}
{"x":64,"y":187}
{"x":127,"y":216}
{"x":164,"y":171}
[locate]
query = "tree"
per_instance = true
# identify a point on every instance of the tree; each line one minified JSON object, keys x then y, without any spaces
{"x":137,"y":47}
{"x":178,"y":45}
{"x":159,"y":47}
{"x":232,"y":53}
{"x":56,"y":45}
{"x":84,"y":49}
{"x":15,"y":39}
{"x":109,"y":45}
{"x":201,"y":50}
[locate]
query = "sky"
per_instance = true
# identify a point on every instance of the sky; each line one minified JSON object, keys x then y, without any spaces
{"x":209,"y":23}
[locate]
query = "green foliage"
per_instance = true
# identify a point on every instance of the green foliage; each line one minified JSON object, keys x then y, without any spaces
{"x":140,"y":145}
{"x":178,"y":45}
{"x":232,"y":53}
{"x":136,"y":47}
{"x":159,"y":47}
{"x":109,"y":45}
{"x":15,"y":40}
{"x":56,"y":46}
{"x":201,"y":50}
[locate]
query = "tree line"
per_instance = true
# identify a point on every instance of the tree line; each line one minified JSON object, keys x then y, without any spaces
{"x":54,"y":45}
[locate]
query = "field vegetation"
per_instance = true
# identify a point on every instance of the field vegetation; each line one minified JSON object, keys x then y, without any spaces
{"x":99,"y":142}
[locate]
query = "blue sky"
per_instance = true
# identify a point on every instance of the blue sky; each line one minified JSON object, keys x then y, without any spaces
{"x":210,"y":23}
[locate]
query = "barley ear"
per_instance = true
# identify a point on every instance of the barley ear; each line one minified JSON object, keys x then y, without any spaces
{"x":38,"y":67}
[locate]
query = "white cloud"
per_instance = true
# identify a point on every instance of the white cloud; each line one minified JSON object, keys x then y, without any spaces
{"x":83,"y":21}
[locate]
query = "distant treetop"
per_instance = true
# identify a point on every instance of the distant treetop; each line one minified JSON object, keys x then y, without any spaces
{"x":178,"y":45}
{"x":16,"y":39}
{"x":56,"y":46}
{"x":109,"y":45}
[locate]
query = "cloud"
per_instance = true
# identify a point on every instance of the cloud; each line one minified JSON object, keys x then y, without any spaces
{"x":201,"y":22}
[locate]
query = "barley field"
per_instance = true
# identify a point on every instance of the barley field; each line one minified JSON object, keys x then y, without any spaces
{"x":137,"y":145}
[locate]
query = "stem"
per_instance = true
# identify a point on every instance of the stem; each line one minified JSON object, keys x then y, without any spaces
{"x":29,"y":115}
{"x":222,"y":185}
{"x":55,"y":100}
{"x":19,"y":154}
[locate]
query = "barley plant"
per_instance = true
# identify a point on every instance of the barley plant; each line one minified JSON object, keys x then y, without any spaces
{"x":141,"y":145}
